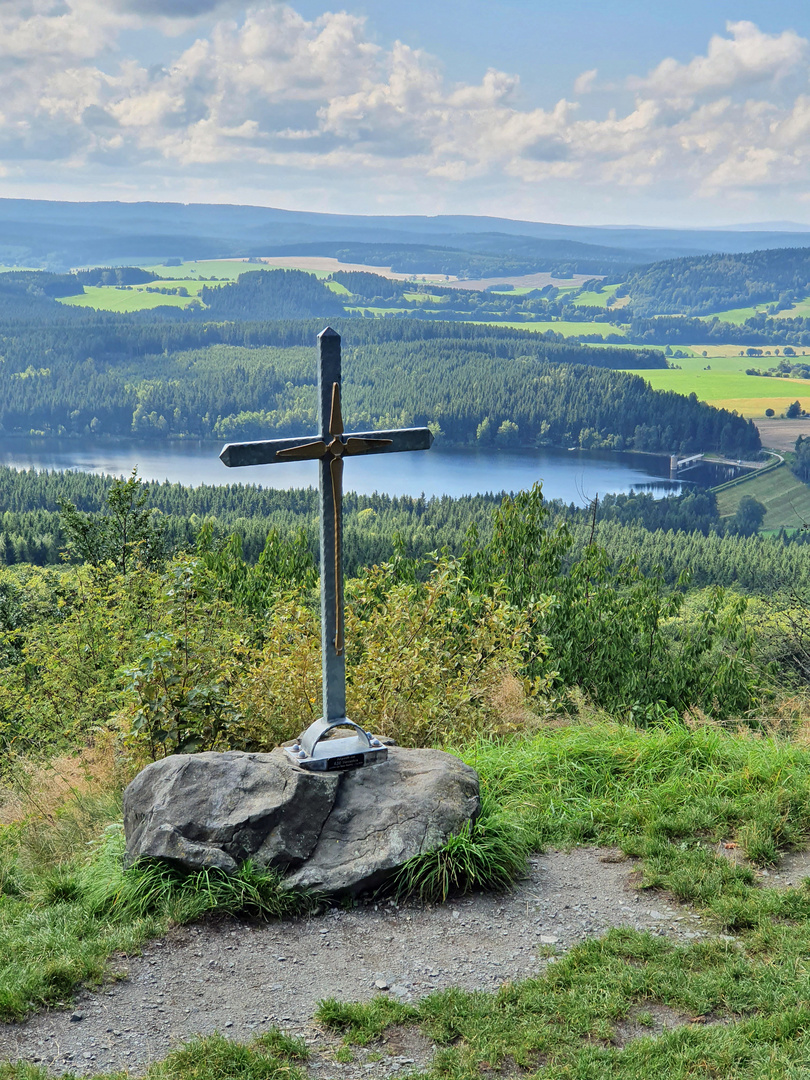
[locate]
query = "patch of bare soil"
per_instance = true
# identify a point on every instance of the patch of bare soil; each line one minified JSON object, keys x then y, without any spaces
{"x":647,"y":1020}
{"x":782,"y":434}
{"x":241,"y":979}
{"x":793,"y":868}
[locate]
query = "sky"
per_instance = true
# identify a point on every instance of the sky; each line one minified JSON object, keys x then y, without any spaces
{"x":694,"y":113}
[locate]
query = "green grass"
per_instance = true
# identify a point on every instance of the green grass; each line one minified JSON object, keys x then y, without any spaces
{"x":595,"y":299}
{"x":565,"y":1024}
{"x":110,"y":298}
{"x":66,"y":904}
{"x":737,"y":316}
{"x":786,"y":499}
{"x":663,"y":794}
{"x":271,"y":1056}
{"x":800,"y":310}
{"x":488,"y":855}
{"x":726,"y":385}
{"x":228,"y":269}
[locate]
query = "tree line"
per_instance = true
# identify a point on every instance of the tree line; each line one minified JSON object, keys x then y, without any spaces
{"x":678,"y":534}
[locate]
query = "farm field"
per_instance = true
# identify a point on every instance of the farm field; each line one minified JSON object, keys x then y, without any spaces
{"x":782,"y":434}
{"x":227,"y":269}
{"x":567,"y":329}
{"x":786,"y":499}
{"x":726,"y":385}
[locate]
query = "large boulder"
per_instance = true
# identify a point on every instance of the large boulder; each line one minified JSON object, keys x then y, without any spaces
{"x":333,"y":832}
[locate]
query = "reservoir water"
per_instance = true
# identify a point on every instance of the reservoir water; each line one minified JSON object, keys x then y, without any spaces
{"x":575,"y":476}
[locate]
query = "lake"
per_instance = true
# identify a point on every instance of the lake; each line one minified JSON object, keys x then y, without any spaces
{"x":571,"y":475}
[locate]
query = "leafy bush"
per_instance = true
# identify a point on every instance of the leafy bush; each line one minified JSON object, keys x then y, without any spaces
{"x":424,"y":659}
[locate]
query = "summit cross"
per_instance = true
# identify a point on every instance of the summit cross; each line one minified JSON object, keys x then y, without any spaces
{"x":329,"y":448}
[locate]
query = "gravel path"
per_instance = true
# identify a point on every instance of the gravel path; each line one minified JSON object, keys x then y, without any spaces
{"x":241,"y":979}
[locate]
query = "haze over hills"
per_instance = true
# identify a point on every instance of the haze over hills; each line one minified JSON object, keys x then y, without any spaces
{"x":59,"y":235}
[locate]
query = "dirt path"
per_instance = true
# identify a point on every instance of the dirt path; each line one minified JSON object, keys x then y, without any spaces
{"x":241,"y":979}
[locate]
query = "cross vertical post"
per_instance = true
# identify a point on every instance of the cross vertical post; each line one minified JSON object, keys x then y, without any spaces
{"x":329,"y":448}
{"x":332,"y":651}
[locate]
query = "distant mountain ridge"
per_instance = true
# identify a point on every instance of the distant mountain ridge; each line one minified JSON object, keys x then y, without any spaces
{"x":59,"y":235}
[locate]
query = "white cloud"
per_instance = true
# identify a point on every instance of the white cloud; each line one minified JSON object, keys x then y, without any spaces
{"x":268,"y":90}
{"x":748,"y":56}
{"x":583,"y":84}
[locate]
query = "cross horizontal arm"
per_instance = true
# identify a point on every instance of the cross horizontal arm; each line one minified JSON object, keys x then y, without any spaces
{"x":392,"y":442}
{"x":259,"y":453}
{"x":379,"y":442}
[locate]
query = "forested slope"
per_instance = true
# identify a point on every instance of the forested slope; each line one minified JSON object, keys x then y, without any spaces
{"x":470,"y":390}
{"x":703,"y":284}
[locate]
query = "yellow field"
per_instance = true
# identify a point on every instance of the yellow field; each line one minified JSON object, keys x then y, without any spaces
{"x":754,"y":408}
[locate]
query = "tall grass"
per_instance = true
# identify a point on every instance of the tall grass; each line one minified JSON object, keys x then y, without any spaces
{"x":488,"y":854}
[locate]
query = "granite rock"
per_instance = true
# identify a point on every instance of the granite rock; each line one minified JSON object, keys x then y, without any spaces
{"x":335,"y":832}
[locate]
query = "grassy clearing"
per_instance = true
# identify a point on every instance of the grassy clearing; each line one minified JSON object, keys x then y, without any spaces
{"x":786,"y":499}
{"x":110,"y":298}
{"x":800,"y":310}
{"x":424,"y":298}
{"x":516,"y":290}
{"x":737,"y":316}
{"x":595,"y":299}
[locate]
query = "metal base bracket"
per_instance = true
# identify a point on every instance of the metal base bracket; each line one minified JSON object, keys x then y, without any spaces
{"x":318,"y":754}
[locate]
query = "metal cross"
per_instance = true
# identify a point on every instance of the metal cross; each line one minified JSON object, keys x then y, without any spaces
{"x":330,"y":449}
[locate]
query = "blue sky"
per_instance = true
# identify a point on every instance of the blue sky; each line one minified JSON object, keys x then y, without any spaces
{"x":631,"y":112}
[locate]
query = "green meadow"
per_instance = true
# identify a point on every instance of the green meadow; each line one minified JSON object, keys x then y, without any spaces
{"x":226,"y":269}
{"x":595,"y":299}
{"x":801,"y":310}
{"x":111,"y":298}
{"x":736,"y":316}
{"x":137,"y":297}
{"x":726,"y":385}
